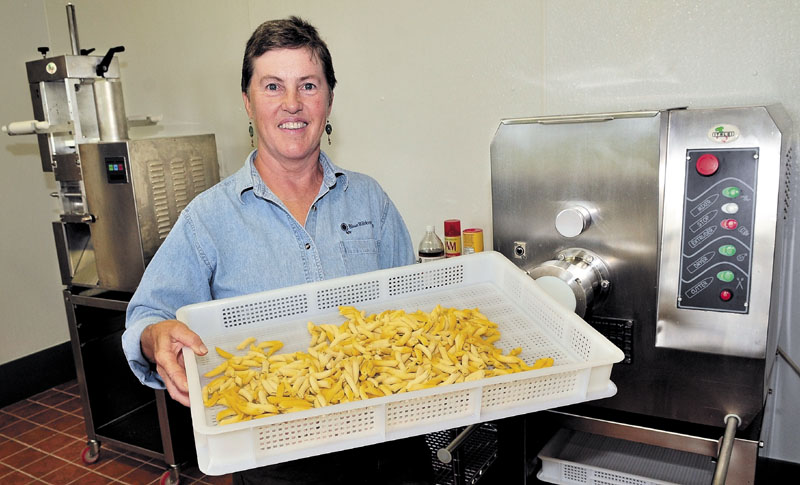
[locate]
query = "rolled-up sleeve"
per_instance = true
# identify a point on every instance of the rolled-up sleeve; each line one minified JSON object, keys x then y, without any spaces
{"x":178,"y":275}
{"x":131,"y":345}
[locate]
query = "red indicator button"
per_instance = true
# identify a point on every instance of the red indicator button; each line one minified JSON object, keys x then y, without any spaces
{"x":725,"y":295}
{"x":707,"y":164}
{"x":729,"y":224}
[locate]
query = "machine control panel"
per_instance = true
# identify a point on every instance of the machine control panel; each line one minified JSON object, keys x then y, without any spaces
{"x":717,"y":232}
{"x":116,"y":170}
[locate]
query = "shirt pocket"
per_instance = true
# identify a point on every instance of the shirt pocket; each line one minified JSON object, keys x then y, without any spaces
{"x":359,"y":255}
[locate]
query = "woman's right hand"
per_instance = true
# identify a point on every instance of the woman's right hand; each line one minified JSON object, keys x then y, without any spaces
{"x":161,"y":344}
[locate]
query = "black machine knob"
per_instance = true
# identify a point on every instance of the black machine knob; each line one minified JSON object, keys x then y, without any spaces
{"x":43,"y":51}
{"x":102,"y":68}
{"x":86,"y":52}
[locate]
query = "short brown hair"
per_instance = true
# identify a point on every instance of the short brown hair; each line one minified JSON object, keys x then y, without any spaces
{"x":291,"y":33}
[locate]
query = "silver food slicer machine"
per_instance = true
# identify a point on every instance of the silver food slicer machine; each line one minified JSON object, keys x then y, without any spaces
{"x":120,"y":197}
{"x":665,"y":230}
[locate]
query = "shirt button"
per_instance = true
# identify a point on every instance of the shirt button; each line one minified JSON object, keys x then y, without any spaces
{"x":308,"y":246}
{"x":314,"y":207}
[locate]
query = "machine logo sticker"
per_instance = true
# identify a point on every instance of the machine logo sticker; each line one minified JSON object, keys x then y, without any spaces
{"x":723,"y":133}
{"x":51,"y":68}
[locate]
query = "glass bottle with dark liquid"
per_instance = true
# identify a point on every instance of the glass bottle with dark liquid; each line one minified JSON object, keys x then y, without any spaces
{"x":431,"y":247}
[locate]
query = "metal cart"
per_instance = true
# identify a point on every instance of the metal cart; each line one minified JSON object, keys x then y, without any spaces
{"x":117,"y":409}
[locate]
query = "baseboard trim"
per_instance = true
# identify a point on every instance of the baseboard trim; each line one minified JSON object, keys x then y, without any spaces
{"x":32,"y":374}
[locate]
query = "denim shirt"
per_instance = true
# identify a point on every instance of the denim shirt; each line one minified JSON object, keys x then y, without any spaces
{"x":238,"y":238}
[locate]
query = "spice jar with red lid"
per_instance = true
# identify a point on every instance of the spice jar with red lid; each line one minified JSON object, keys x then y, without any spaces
{"x":452,"y":238}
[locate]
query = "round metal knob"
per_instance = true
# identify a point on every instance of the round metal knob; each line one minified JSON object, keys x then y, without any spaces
{"x":573,"y":221}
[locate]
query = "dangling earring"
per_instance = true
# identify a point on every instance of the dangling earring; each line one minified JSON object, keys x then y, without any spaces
{"x":250,"y":129}
{"x":328,"y":130}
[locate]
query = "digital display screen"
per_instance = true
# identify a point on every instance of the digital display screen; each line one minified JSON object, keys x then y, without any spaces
{"x":116,"y":172}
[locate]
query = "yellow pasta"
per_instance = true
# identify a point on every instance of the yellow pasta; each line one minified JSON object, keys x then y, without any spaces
{"x":366,"y":356}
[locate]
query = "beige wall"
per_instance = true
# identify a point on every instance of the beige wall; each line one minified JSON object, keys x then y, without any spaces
{"x":31,"y":310}
{"x":422,"y":87}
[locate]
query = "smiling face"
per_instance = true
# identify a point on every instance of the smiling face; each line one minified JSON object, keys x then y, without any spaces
{"x":289,"y":102}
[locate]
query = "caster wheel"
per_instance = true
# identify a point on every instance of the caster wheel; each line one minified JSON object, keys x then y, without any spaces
{"x":89,"y":456}
{"x":167,"y":478}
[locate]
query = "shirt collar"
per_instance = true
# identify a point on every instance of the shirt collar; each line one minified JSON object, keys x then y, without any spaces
{"x":248,"y":178}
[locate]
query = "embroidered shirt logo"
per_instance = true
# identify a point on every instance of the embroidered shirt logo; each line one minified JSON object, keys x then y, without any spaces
{"x":348,"y":228}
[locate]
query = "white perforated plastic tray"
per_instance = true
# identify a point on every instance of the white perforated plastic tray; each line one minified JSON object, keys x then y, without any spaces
{"x":526,"y":316}
{"x":578,"y":458}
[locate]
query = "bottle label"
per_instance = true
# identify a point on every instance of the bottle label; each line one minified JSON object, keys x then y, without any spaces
{"x":452,"y":246}
{"x":426,"y":259}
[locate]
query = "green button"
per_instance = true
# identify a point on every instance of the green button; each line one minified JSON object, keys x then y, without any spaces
{"x":727,"y":250}
{"x":726,"y":276}
{"x":731,"y":192}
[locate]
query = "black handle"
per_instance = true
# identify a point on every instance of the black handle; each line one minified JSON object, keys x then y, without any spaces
{"x":86,"y":52}
{"x":102,"y":68}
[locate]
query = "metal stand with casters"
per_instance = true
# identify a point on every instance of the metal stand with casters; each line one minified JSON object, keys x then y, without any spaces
{"x":118,"y":409}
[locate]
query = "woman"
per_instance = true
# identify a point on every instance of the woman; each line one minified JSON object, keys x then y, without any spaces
{"x":289,"y":216}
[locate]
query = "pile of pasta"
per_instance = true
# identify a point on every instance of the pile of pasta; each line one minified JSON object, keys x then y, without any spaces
{"x":364,"y":357}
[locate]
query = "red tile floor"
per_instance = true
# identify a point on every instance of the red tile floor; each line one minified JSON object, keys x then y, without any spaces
{"x":42,"y":437}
